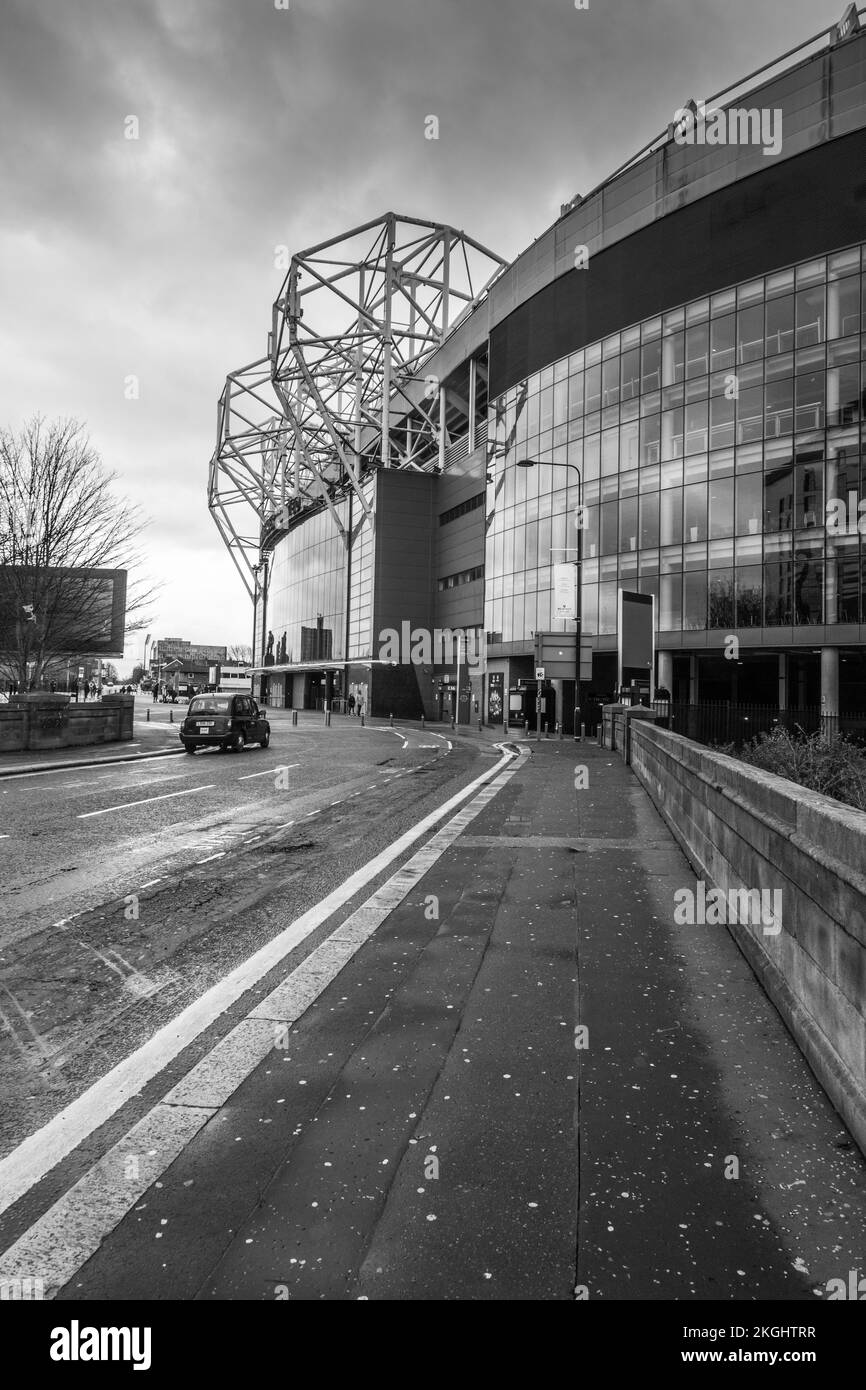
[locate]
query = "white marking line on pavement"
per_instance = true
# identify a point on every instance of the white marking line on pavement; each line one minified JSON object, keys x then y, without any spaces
{"x":286,"y":767}
{"x":146,"y":801}
{"x":221,"y":855}
{"x":35,"y":1156}
{"x":66,"y":1236}
{"x":151,"y":882}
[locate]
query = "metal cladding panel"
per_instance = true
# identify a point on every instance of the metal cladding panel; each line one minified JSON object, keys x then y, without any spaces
{"x":823,"y":96}
{"x":748,"y":228}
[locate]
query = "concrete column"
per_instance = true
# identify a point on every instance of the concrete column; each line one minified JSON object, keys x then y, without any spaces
{"x":829,"y":680}
{"x":666,"y":671}
{"x":783,"y":680}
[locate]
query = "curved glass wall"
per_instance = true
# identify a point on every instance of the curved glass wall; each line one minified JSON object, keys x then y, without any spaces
{"x":710,"y":440}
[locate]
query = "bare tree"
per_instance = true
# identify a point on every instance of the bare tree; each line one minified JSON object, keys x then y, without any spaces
{"x":58,"y":516}
{"x":241,"y":653}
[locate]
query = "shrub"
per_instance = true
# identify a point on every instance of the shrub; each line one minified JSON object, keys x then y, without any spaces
{"x":830,"y":764}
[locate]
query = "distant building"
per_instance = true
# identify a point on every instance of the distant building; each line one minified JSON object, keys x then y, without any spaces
{"x":187,"y":663}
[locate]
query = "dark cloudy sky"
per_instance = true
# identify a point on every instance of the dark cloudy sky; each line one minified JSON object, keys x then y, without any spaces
{"x":260,"y":127}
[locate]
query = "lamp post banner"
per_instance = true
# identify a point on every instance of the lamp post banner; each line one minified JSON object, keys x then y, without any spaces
{"x":565,"y":591}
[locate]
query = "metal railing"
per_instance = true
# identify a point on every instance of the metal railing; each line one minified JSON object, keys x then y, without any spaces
{"x":720,"y":723}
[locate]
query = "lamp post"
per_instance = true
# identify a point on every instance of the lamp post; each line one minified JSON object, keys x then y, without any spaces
{"x":533,"y":463}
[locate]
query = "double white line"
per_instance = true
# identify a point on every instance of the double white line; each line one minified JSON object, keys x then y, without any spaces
{"x":74,"y":1227}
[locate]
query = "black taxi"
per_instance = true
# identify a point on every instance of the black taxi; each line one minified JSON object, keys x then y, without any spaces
{"x":227,"y":722}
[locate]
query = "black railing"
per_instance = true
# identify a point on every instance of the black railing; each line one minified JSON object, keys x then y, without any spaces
{"x":738,"y":724}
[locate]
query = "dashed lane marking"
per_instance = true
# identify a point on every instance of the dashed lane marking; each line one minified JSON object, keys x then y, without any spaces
{"x":269,"y":773}
{"x":146,"y":801}
{"x":220,"y":855}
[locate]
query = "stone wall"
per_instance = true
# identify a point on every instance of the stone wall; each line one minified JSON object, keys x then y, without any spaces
{"x":30,"y":722}
{"x":744,"y":829}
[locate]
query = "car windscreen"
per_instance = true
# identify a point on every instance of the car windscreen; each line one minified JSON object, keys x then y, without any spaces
{"x":210,"y":704}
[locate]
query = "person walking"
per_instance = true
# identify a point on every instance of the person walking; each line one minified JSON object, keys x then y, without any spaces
{"x":73,"y":690}
{"x":155,"y":693}
{"x":350,"y":704}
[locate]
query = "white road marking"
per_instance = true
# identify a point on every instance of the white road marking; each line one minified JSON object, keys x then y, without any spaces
{"x":151,"y":882}
{"x":28,"y":1163}
{"x":270,"y":772}
{"x":66,"y":1236}
{"x":146,"y":801}
{"x":221,"y":855}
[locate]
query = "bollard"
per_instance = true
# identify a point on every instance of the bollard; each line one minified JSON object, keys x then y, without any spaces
{"x":390,"y":721}
{"x":327,"y":719}
{"x":559,"y":732}
{"x":363,"y":720}
{"x":148,"y":714}
{"x":453,"y":722}
{"x":583,"y":733}
{"x":295,"y":717}
{"x":480,"y":726}
{"x":423,"y":725}
{"x":171,"y":716}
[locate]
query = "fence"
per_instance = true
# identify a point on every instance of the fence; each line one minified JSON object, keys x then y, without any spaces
{"x":738,"y":724}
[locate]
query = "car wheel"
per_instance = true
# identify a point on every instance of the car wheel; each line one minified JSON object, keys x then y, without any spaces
{"x":266,"y":738}
{"x":238,"y":742}
{"x":189,"y":747}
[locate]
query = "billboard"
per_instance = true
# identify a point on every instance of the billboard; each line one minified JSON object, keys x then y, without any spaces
{"x":71,"y":612}
{"x":636,"y":638}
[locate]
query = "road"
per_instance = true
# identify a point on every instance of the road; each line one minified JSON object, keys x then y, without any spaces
{"x":128,"y":890}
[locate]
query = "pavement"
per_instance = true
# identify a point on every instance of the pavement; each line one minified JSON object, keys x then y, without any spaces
{"x":510,"y":1078}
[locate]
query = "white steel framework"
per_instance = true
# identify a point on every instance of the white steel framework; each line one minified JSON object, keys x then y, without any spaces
{"x":342,"y":389}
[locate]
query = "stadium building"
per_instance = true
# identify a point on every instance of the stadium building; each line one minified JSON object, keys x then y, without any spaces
{"x":665,"y":392}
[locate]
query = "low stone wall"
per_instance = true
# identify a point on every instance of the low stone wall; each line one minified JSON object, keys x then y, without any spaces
{"x":30,"y":722}
{"x":744,"y":829}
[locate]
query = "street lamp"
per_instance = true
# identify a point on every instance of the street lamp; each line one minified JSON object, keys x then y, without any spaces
{"x":532,"y":463}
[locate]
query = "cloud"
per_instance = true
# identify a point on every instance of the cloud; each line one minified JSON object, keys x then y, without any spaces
{"x":259,"y":127}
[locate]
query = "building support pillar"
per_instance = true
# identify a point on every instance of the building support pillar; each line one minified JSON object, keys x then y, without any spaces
{"x":693,"y":678}
{"x":666,"y":671}
{"x":783,"y":680}
{"x":829,"y":688}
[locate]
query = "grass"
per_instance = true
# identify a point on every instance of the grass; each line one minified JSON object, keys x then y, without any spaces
{"x":832,"y":765}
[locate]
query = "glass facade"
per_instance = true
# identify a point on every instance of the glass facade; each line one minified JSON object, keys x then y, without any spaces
{"x":308,"y":589}
{"x":710,"y":440}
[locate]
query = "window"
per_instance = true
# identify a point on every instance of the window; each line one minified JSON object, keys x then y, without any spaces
{"x":453,"y":513}
{"x":453,"y":581}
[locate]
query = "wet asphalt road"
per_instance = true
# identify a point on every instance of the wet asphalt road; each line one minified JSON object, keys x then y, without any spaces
{"x":127,"y":890}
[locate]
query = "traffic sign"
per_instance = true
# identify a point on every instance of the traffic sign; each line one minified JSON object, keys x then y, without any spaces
{"x":539,"y":673}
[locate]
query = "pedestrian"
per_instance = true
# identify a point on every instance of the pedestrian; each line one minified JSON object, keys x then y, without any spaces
{"x":350,"y":704}
{"x":73,"y":690}
{"x":155,"y":692}
{"x":52,"y":687}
